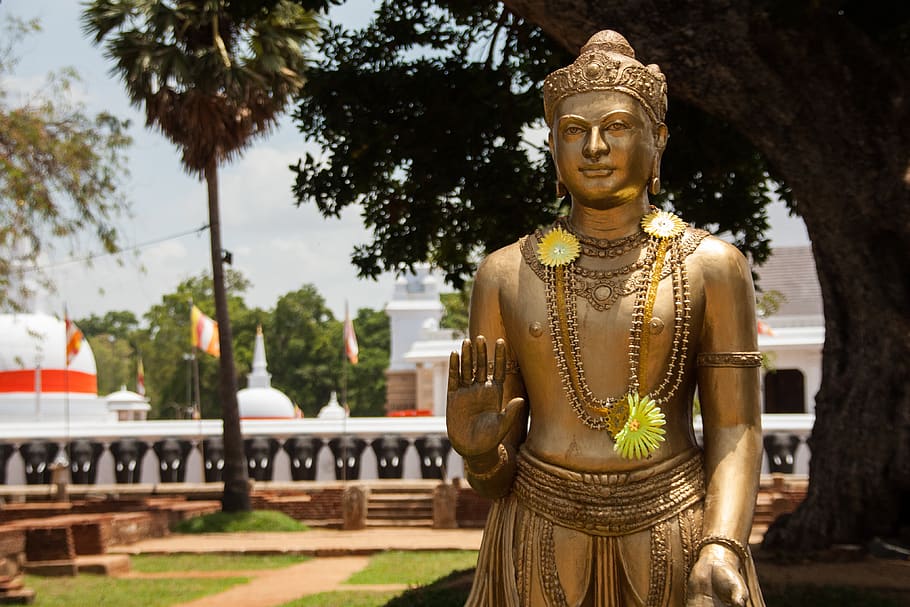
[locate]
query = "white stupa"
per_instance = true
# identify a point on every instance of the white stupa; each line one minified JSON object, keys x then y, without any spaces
{"x":260,"y":400}
{"x":332,"y":409}
{"x":128,"y":405}
{"x":36,"y":384}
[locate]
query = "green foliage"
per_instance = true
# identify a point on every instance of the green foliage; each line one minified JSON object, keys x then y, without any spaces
{"x":239,"y":522}
{"x":303,"y":348}
{"x":166,"y":341}
{"x":60,"y":173}
{"x":211,"y":79}
{"x":768,"y":303}
{"x":457,"y":306}
{"x":105,"y":591}
{"x":154,"y":563}
{"x":343,"y":599}
{"x":450,"y":591}
{"x":366,"y":380}
{"x":398,"y":567}
{"x":114,"y":339}
{"x":431,"y":120}
{"x":116,"y":362}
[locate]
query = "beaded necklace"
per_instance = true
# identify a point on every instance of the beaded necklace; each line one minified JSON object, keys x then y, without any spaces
{"x":634,"y":420}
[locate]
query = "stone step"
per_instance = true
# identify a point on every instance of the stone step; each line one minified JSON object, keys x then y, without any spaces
{"x":398,"y":515}
{"x":388,"y":522}
{"x":400,"y":490}
{"x":400,"y":497}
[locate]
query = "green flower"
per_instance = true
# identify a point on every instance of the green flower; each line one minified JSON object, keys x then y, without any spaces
{"x":643,"y":431}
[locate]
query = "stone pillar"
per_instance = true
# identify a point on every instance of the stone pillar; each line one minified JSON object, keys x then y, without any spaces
{"x":354,"y":507}
{"x":445,"y":497}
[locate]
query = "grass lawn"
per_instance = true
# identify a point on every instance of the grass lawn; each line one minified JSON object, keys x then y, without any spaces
{"x":150,"y":563}
{"x":236,"y":522}
{"x":397,"y":567}
{"x":102,"y":591}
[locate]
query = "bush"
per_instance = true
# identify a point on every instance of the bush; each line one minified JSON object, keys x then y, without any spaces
{"x":236,"y":522}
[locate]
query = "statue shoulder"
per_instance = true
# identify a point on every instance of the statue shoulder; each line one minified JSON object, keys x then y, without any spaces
{"x":720,"y":262}
{"x":499,"y":264}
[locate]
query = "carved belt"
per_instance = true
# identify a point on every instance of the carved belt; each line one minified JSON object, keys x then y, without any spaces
{"x":610,"y":504}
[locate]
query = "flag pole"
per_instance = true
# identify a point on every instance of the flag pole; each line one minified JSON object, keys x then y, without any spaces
{"x":344,"y":359}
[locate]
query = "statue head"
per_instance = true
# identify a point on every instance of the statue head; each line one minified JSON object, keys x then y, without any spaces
{"x":605,"y":112}
{"x":607,"y":63}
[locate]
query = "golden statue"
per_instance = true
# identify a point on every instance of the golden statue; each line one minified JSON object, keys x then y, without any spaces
{"x":604,"y":324}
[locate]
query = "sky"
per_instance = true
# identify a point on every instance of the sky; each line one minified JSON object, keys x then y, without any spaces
{"x":277,"y":246}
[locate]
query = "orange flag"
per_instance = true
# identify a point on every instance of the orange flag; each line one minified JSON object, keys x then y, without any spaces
{"x":140,"y":378}
{"x":204,"y":332}
{"x":351,"y":349}
{"x":73,"y":338}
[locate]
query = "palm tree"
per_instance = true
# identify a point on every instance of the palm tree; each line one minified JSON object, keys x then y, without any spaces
{"x":212,"y":77}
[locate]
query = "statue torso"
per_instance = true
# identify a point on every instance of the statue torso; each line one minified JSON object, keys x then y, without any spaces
{"x":556,"y":434}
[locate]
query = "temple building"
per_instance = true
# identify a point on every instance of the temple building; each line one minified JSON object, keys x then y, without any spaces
{"x":792,"y":337}
{"x":414,"y":313}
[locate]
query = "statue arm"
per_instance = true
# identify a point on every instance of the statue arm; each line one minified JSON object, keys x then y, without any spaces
{"x":731,"y":414}
{"x":487,"y":420}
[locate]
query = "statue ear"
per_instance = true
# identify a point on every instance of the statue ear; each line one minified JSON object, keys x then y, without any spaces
{"x":661,"y":136}
{"x":660,"y":143}
{"x":561,"y":191}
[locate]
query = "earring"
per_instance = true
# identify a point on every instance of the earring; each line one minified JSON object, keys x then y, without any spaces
{"x":561,"y":191}
{"x":655,"y":177}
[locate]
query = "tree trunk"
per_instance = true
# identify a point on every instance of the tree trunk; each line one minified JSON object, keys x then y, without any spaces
{"x":828,"y":107}
{"x":236,"y":496}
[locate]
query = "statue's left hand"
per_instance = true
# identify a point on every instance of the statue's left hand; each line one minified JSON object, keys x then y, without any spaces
{"x":715,"y":580}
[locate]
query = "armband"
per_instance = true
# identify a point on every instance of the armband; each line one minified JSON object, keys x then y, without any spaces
{"x":727,"y":542}
{"x":729,"y":359}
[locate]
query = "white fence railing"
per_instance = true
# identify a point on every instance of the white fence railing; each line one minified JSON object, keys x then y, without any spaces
{"x":278,"y":432}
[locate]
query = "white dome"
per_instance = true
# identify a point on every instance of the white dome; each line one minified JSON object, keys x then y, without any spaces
{"x":33,"y":340}
{"x":264,"y":403}
{"x":30,"y":341}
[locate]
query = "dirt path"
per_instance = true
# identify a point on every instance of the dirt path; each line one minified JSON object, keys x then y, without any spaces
{"x":270,"y":588}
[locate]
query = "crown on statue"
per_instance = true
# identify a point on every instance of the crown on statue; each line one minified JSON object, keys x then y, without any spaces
{"x":607,"y":63}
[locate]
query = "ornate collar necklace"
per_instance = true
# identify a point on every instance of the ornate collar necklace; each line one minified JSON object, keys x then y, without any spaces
{"x":634,"y":420}
{"x":603,"y":247}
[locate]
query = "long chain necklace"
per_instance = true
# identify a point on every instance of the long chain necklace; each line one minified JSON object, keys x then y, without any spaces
{"x":634,"y":420}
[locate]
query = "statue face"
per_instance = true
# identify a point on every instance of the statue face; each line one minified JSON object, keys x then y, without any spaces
{"x":604,"y":147}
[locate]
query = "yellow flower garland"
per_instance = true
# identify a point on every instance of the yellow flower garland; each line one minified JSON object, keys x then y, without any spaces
{"x":662,"y":224}
{"x":558,"y":248}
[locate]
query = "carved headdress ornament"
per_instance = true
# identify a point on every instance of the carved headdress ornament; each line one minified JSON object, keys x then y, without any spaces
{"x":607,"y":63}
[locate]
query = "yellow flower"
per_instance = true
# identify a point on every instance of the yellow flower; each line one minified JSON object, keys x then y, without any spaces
{"x":662,"y":224}
{"x":643,"y":432}
{"x":557,"y":248}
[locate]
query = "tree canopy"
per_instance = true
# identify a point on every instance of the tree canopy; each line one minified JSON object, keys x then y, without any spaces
{"x":60,"y":173}
{"x":430,"y":118}
{"x":807,"y":94}
{"x":303,"y":343}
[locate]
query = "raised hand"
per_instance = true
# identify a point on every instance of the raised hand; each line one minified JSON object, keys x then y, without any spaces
{"x":476,"y":419}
